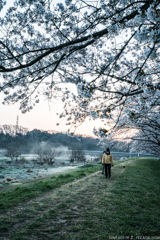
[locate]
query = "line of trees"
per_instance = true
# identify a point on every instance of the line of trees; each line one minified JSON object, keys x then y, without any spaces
{"x":46,"y":154}
{"x":48,"y":146}
{"x":31,"y":141}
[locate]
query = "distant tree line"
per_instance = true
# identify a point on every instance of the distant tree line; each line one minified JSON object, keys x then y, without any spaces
{"x":48,"y":145}
{"x":31,"y":140}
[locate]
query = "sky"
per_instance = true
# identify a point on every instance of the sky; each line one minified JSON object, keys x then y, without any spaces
{"x":43,"y":116}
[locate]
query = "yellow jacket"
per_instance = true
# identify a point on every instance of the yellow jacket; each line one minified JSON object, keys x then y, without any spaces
{"x":107,"y":159}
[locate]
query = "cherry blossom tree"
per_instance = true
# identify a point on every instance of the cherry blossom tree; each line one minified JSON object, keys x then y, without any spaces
{"x":146,"y":135}
{"x":108,"y":49}
{"x":140,"y":130}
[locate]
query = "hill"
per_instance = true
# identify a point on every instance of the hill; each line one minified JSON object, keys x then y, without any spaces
{"x":27,"y":141}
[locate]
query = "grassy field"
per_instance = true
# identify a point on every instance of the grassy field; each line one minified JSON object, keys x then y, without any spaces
{"x":84,"y":205}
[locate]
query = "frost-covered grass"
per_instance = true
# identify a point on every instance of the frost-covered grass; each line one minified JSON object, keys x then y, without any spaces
{"x":91,"y":208}
{"x":12,"y":196}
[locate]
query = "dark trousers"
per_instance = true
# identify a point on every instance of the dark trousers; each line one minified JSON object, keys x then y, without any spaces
{"x":108,"y":170}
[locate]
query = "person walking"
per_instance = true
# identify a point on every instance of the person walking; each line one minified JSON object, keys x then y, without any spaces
{"x":107,"y":160}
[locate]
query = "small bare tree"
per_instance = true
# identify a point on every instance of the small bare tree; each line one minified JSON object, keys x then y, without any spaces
{"x":12,"y":153}
{"x":47,"y":155}
{"x":77,"y":156}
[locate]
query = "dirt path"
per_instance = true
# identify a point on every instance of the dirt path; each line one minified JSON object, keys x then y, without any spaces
{"x":55,"y":214}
